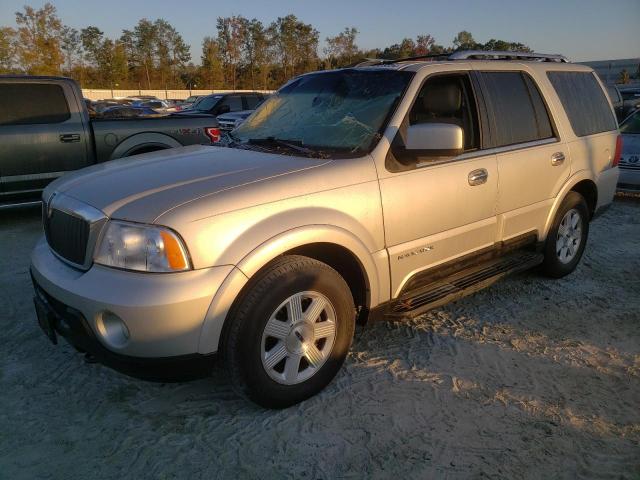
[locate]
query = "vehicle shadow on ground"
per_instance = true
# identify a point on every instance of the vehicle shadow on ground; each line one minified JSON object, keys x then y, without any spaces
{"x":530,"y":377}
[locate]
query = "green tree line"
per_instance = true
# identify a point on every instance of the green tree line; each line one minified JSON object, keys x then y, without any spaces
{"x":240,"y":52}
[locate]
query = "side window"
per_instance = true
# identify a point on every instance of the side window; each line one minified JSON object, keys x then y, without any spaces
{"x":252,"y":101}
{"x":32,"y":103}
{"x":516,"y":110}
{"x":584,"y":101}
{"x":234,"y":102}
{"x":448,"y":99}
{"x":442,"y":99}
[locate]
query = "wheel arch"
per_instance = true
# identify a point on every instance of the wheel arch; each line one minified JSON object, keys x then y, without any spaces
{"x":581,"y":182}
{"x":331,"y":245}
{"x":143,"y":142}
{"x":589,"y":190}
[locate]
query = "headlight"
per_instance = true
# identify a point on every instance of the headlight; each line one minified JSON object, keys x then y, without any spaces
{"x":146,"y":248}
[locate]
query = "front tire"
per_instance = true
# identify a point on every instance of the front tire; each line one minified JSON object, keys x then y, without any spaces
{"x":290,"y":332}
{"x":567,"y":237}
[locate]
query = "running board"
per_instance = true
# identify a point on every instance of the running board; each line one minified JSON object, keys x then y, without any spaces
{"x":460,"y":284}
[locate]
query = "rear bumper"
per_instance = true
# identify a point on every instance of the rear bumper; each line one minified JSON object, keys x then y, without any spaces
{"x":163,"y":313}
{"x":629,"y":180}
{"x":606,"y":183}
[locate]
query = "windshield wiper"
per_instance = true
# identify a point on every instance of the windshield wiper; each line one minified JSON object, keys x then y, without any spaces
{"x":279,"y":142}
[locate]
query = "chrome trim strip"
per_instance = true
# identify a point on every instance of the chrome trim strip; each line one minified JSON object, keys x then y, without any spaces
{"x":486,"y":153}
{"x":499,"y":55}
{"x":16,"y":205}
{"x":30,"y":176}
{"x":507,"y":148}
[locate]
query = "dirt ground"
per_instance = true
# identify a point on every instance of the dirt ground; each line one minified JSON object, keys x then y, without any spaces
{"x":532,"y":378}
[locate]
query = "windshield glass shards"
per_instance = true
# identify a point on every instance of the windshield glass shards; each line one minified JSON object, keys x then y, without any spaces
{"x":335,"y":111}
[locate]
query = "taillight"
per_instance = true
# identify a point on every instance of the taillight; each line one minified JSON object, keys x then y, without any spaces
{"x":213,"y":133}
{"x":618,"y":154}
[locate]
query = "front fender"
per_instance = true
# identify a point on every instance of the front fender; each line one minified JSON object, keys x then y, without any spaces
{"x":375,"y":266}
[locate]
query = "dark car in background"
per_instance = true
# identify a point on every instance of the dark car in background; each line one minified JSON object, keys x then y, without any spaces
{"x":190,"y":101}
{"x":157,"y":105}
{"x":630,"y":99}
{"x":126,"y":111}
{"x":231,"y":120}
{"x":46,"y":131}
{"x":629,"y":165}
{"x":219,"y":103}
{"x":134,"y":98}
{"x":616,"y":101}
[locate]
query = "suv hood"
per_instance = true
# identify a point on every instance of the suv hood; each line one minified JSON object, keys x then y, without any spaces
{"x":143,"y":187}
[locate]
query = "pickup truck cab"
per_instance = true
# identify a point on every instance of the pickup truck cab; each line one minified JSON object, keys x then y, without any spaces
{"x":384,"y":189}
{"x":46,"y":131}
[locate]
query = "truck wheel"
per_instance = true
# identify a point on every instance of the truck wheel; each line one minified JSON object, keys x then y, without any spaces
{"x":567,"y":238}
{"x":290,"y":332}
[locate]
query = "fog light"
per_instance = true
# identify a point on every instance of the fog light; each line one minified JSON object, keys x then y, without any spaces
{"x":113,"y":329}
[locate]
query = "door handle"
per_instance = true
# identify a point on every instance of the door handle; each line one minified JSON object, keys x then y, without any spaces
{"x":478,"y":177}
{"x":557,"y":159}
{"x":69,"y":138}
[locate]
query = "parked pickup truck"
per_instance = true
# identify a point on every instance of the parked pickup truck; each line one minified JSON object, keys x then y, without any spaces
{"x":45,"y":131}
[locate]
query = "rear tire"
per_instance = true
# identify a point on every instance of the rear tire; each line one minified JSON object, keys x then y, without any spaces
{"x":290,"y":332}
{"x":567,"y":237}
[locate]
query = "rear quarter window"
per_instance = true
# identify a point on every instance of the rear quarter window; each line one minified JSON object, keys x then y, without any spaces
{"x":32,"y":103}
{"x":584,"y":101}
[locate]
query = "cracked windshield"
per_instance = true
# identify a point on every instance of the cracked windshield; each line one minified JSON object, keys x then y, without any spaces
{"x":334,"y":111}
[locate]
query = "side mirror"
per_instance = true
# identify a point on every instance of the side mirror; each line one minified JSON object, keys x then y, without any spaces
{"x":223,"y":109}
{"x":434,"y":140}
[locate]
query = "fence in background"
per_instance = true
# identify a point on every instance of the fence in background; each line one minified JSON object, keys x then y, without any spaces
{"x":99,"y":94}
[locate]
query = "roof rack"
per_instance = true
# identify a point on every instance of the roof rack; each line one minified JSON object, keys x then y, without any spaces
{"x":471,"y":55}
{"x":506,"y":55}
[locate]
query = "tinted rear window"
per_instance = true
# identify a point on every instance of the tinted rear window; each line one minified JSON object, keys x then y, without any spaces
{"x":234,"y":102}
{"x":584,"y":101}
{"x":32,"y":103}
{"x":518,"y":112}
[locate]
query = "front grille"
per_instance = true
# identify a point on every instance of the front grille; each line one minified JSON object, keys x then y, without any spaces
{"x":67,"y":235}
{"x":628,"y":166}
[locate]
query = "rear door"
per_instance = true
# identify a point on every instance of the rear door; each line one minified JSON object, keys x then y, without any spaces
{"x":533,"y":163}
{"x":42,"y":135}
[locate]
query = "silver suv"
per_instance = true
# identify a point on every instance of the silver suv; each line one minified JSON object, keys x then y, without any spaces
{"x":386,"y":189}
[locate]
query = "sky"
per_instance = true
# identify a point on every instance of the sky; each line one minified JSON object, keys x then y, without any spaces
{"x":583,"y":30}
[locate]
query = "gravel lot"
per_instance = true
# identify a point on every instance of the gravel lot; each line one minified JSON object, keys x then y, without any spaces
{"x":531,"y":378}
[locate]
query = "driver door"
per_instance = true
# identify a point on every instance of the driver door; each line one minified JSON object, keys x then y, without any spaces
{"x":437,"y":209}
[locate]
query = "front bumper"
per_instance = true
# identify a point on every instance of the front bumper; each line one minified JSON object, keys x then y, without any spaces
{"x":163,"y":313}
